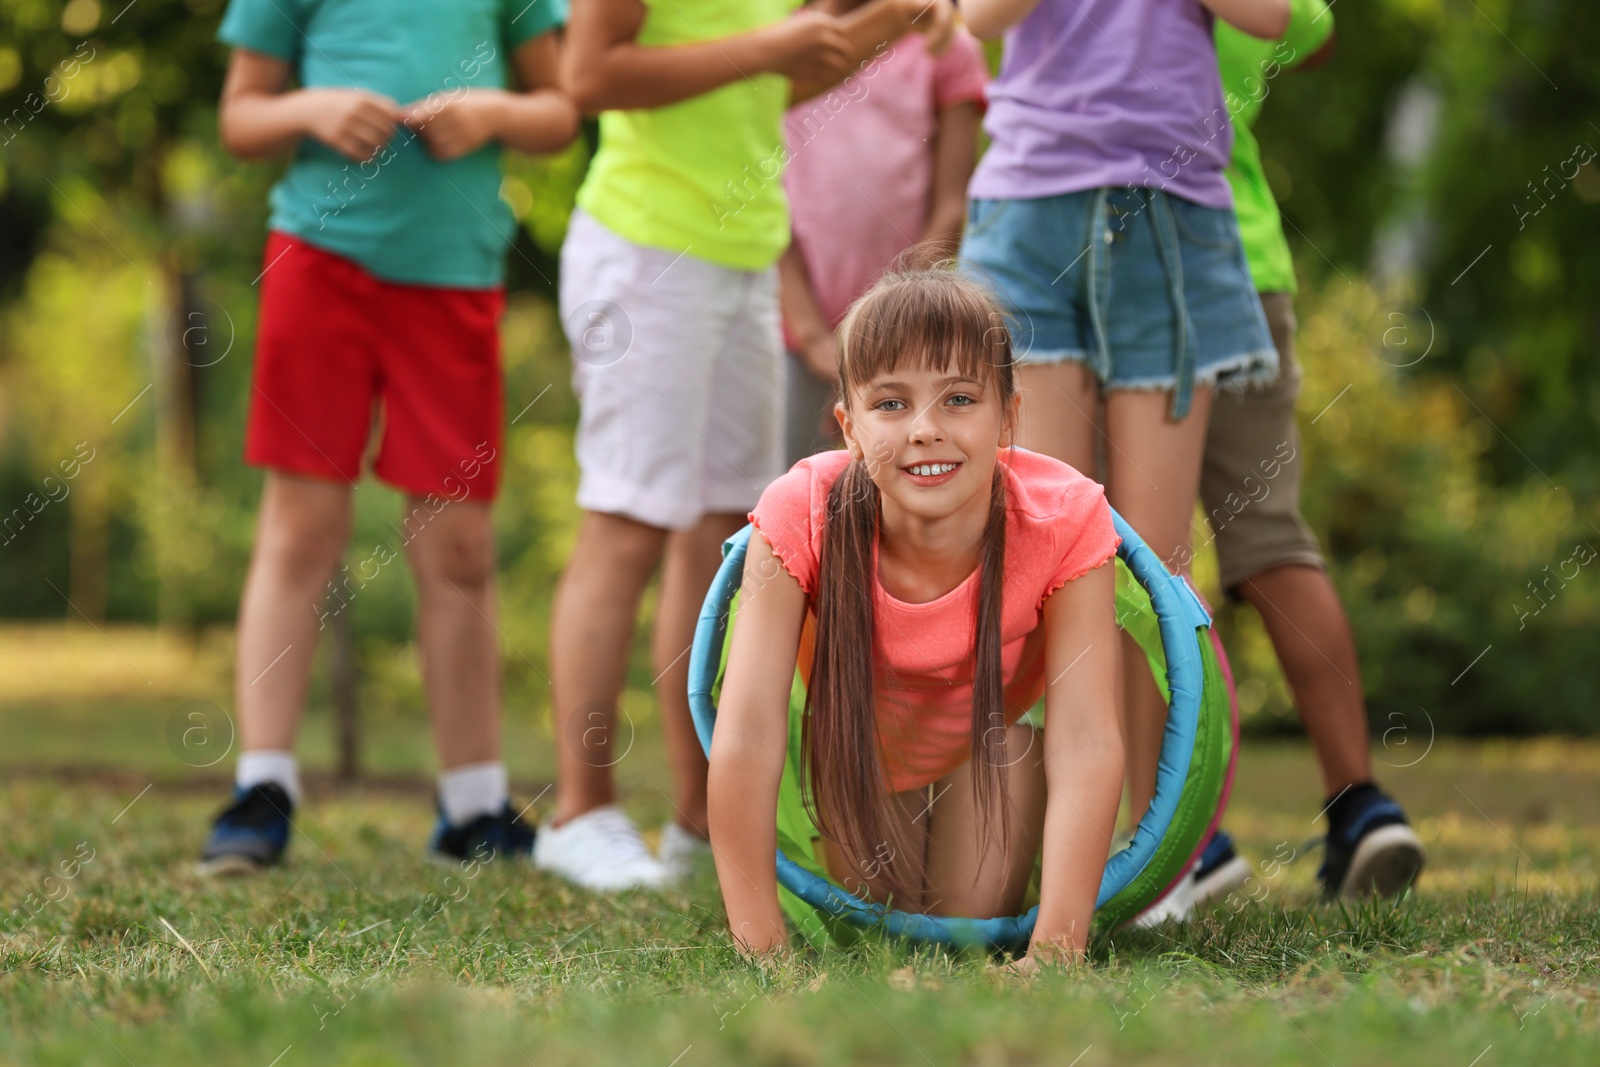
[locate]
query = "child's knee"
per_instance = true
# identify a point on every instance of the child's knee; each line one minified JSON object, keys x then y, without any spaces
{"x":462,"y":556}
{"x":622,"y":544}
{"x":302,"y":548}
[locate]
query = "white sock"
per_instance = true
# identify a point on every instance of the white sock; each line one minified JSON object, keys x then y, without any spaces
{"x":471,"y":790}
{"x":266,"y":765}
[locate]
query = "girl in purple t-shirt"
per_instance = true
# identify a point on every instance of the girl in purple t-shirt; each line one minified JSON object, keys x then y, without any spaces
{"x":1102,"y":217}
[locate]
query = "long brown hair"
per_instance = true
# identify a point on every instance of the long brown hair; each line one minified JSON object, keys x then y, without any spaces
{"x":927,"y":319}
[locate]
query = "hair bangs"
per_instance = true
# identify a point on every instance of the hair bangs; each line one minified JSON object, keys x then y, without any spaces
{"x":929,"y":320}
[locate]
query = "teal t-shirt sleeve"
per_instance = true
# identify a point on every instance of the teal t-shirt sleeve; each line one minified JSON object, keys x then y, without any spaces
{"x":1310,"y":26}
{"x":272,"y":27}
{"x":527,"y":19}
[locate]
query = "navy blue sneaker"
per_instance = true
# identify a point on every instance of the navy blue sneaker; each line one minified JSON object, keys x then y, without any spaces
{"x":1220,"y":870}
{"x":1370,"y":848}
{"x":482,"y":839}
{"x":250,"y":834}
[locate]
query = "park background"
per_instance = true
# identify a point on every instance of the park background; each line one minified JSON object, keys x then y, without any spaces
{"x":1435,"y":185}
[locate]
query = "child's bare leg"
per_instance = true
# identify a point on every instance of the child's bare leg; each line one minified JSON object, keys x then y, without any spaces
{"x":302,"y":530}
{"x":1153,"y":480}
{"x":692,"y":559}
{"x":1059,"y":401}
{"x":1311,"y":636}
{"x":591,"y":629}
{"x":1144,"y":720}
{"x":906,"y":844}
{"x":981,"y":883}
{"x":453,"y":560}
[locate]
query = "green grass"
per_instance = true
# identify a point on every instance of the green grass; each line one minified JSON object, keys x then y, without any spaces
{"x":354,"y":953}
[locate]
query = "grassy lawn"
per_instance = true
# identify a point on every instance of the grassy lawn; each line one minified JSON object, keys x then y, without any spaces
{"x":361,"y":952}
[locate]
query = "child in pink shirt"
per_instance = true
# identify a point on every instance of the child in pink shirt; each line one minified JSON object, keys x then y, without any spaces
{"x":876,"y":166}
{"x":947,"y":580}
{"x":923,"y":668}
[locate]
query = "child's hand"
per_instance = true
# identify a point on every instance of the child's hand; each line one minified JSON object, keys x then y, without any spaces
{"x":1021,"y":967}
{"x":1039,"y":958}
{"x":935,"y":20}
{"x":772,"y":961}
{"x":353,"y":122}
{"x":808,"y":47}
{"x":454,"y":125}
{"x":822,"y":357}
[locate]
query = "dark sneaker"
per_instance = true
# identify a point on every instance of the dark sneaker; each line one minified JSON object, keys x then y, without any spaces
{"x":484,"y":838}
{"x":1370,"y":848}
{"x":1220,"y":871}
{"x":251,"y":834}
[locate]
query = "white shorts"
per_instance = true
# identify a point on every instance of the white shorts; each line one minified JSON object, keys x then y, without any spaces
{"x":678,"y":368}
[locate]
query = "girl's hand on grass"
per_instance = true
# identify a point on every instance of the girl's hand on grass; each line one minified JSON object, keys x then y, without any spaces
{"x":1021,"y":967}
{"x":761,"y":941}
{"x":1043,"y":954}
{"x":458,"y":123}
{"x":809,"y":47}
{"x":353,"y":122}
{"x":1054,"y":954}
{"x":771,"y":957}
{"x":773,"y":960}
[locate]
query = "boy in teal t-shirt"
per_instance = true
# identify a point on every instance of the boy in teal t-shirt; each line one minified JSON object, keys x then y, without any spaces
{"x":669,"y":295}
{"x":380,"y":289}
{"x":1250,"y":489}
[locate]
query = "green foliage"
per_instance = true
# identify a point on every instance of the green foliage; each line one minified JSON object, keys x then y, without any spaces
{"x":1523,"y":312}
{"x":1437,"y":558}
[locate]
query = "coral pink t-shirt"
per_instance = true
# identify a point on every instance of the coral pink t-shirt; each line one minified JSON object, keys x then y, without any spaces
{"x":860,"y":170}
{"x":1058,"y":527}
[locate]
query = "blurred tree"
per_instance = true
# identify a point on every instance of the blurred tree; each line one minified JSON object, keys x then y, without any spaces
{"x":93,"y":100}
{"x":103,"y":94}
{"x":1515,"y":210}
{"x":82,"y":301}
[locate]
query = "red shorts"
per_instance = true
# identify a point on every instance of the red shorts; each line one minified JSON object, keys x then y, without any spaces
{"x":335,"y":343}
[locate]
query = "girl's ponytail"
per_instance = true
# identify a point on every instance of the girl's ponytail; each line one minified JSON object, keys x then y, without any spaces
{"x":988,"y":692}
{"x":848,"y":797}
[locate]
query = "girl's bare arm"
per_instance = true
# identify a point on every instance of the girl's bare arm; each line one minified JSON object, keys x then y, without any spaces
{"x":955,"y":154}
{"x":988,"y":19}
{"x":747,"y":752}
{"x":1083,"y":759}
{"x":808,"y":326}
{"x":604,"y":68}
{"x":1267,"y":19}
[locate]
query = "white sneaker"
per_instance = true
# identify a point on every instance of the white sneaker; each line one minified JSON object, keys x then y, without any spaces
{"x":1172,"y":908}
{"x":681,"y":850}
{"x":599,"y":850}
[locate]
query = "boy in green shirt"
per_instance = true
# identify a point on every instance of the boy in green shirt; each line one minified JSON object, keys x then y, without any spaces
{"x":1268,"y":556}
{"x":669,"y":295}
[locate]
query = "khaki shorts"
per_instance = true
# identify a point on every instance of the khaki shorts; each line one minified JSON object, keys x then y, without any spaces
{"x":1250,"y":483}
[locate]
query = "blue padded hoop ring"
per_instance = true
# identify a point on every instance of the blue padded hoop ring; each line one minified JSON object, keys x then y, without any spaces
{"x":1179,"y":613}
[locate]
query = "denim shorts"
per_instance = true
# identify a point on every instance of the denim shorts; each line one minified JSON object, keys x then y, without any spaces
{"x":1148,"y":290}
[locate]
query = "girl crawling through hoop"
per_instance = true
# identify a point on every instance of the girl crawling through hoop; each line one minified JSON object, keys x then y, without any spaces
{"x":945,"y":580}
